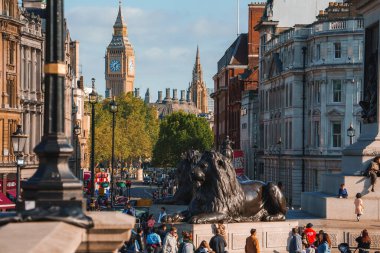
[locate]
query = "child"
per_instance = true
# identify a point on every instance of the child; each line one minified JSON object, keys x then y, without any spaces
{"x":359,"y":207}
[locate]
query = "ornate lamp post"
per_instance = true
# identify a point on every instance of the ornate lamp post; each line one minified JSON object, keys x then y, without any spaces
{"x":93,"y":99}
{"x":113,"y":106}
{"x":18,"y":143}
{"x":77,"y":131}
{"x":53,"y":184}
{"x":351,"y":133}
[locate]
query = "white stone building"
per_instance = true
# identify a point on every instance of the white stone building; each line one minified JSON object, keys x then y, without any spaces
{"x":310,"y":86}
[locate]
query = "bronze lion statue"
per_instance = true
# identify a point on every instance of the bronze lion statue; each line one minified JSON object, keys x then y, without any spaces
{"x":184,"y":193}
{"x":218,"y":195}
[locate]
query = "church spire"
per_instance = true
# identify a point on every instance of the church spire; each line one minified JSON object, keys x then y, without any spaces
{"x":197,"y":71}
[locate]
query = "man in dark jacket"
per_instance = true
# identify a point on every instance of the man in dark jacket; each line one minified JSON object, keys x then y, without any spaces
{"x":140,"y":240}
{"x":217,"y":242}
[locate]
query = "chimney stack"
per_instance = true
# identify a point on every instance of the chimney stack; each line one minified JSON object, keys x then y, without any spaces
{"x":183,"y":99}
{"x":167,"y":97}
{"x":137,"y":92}
{"x":175,"y":96}
{"x":189,"y":96}
{"x":147,"y":97}
{"x":159,"y":100}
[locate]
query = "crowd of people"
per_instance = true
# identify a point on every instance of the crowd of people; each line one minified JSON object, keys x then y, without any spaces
{"x":150,"y":238}
{"x":307,"y":240}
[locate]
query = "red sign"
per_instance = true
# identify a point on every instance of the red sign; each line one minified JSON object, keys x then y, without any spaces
{"x":238,"y":162}
{"x":11,"y":184}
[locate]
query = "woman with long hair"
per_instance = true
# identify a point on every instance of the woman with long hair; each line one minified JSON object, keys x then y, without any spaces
{"x":324,"y":247}
{"x":204,"y":247}
{"x":364,"y":242}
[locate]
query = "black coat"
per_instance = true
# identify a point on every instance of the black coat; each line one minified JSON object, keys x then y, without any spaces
{"x":218,"y":244}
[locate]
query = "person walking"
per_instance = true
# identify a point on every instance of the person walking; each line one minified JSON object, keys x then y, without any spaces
{"x":153,"y":242}
{"x":150,"y":222}
{"x":170,"y":242}
{"x":324,"y":247}
{"x":295,"y":245}
{"x":139,"y":245}
{"x":359,"y":207}
{"x":162,"y":215}
{"x":364,"y":242}
{"x":217,"y":242}
{"x":187,"y":245}
{"x":162,"y":232}
{"x":251,"y":243}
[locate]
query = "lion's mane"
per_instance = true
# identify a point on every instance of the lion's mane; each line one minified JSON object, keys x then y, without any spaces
{"x":221,"y":192}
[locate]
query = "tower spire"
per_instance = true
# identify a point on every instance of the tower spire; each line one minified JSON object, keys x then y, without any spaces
{"x":120,"y":28}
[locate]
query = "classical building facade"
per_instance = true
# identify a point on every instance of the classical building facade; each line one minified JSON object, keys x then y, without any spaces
{"x":119,"y":60}
{"x":31,"y":93}
{"x":197,"y":88}
{"x":310,"y":87}
{"x":10,"y":105}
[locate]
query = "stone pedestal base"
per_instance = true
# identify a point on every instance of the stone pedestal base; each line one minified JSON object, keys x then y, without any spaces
{"x":326,"y":204}
{"x":139,"y":176}
{"x":272,"y":236}
{"x":111,"y":229}
{"x":330,"y":207}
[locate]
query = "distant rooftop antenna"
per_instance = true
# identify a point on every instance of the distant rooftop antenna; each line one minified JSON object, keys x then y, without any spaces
{"x":238,"y":18}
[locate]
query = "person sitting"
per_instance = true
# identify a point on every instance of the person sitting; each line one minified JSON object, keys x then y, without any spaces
{"x":342,"y":192}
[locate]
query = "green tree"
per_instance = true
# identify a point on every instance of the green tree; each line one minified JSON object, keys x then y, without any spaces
{"x":136,"y":129}
{"x":180,"y":132}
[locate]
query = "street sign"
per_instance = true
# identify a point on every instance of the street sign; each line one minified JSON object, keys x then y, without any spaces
{"x":238,"y":162}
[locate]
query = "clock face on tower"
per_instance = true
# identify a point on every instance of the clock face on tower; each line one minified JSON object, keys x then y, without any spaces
{"x":115,"y":66}
{"x":131,"y":66}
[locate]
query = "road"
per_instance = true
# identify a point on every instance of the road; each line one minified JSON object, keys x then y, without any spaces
{"x":139,"y":190}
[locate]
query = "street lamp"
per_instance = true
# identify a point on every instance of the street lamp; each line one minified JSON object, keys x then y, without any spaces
{"x":18,"y":143}
{"x":93,"y":99}
{"x":113,"y":106}
{"x":77,"y":131}
{"x":351,"y":133}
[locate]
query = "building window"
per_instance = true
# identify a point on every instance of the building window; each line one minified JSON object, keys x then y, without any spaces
{"x":317,"y":92}
{"x":338,"y":50}
{"x":316,"y":134}
{"x":12,"y":52}
{"x":244,"y":126}
{"x":337,"y":90}
{"x":318,"y":53}
{"x":336,"y":134}
{"x":359,"y":88}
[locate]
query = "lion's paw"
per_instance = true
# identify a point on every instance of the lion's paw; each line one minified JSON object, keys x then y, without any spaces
{"x":197,"y":220}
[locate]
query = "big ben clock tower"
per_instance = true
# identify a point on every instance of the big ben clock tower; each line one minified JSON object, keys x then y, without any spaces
{"x":120,"y":60}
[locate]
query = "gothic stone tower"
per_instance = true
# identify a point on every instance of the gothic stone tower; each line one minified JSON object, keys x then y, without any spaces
{"x":119,"y":60}
{"x":197,"y":87}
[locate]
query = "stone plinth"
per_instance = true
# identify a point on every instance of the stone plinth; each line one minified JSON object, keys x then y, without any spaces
{"x":139,"y":175}
{"x":330,"y":207}
{"x":40,"y":237}
{"x":273,"y":236}
{"x":111,"y":229}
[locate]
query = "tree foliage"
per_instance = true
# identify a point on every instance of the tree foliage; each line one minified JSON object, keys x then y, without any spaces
{"x":180,"y":132}
{"x":136,"y":129}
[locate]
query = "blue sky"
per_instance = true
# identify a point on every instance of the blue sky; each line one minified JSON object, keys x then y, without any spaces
{"x":164,"y":34}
